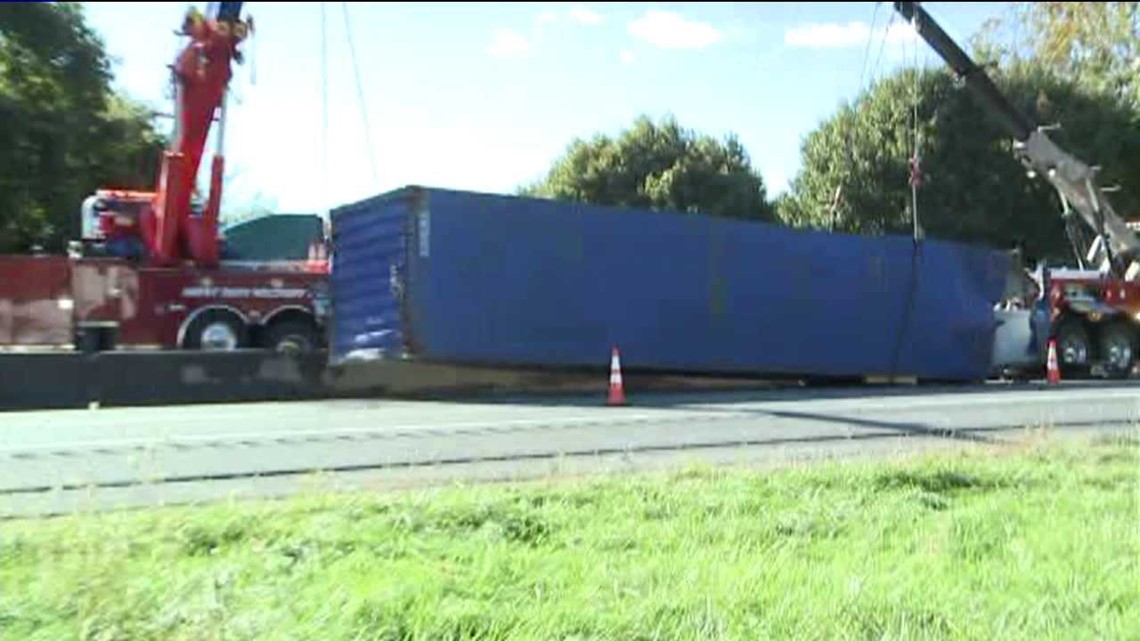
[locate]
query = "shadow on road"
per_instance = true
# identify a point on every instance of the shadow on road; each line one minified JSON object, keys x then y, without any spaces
{"x":638,"y":396}
{"x":910,"y":429}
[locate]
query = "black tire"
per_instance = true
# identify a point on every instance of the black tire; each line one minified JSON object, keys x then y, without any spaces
{"x":1117,"y":348}
{"x":210,"y":325}
{"x":292,"y":336}
{"x":1074,"y":348}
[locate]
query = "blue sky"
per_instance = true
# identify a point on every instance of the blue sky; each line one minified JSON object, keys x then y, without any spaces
{"x":486,"y":96}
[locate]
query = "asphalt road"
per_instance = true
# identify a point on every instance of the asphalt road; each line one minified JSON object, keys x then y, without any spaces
{"x":59,"y":461}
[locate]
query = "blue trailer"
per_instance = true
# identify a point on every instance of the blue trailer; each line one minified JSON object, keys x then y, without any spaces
{"x":490,"y":280}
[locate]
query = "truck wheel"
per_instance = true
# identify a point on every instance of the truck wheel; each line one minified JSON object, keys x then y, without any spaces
{"x":215,"y":330}
{"x":1117,"y":348}
{"x":293,"y":336}
{"x":1073,"y":347}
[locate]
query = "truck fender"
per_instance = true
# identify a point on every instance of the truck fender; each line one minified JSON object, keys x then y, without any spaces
{"x":295,"y":309}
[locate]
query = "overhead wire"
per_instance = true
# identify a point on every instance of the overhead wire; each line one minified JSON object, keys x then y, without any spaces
{"x":867,"y":50}
{"x":837,"y":198}
{"x":883,"y":45}
{"x":368,"y":144}
{"x":324,"y":155}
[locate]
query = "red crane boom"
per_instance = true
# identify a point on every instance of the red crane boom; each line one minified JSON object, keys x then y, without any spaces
{"x":202,"y":74}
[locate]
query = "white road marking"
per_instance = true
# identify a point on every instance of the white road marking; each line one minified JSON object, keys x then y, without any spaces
{"x":1077,"y":398}
{"x":323,"y":434}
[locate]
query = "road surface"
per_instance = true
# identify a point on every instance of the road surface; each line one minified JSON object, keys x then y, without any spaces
{"x":59,"y":461}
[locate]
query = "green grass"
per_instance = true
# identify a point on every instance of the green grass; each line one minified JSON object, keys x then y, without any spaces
{"x":1036,"y":541}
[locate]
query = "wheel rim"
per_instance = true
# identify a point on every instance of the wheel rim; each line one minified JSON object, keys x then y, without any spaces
{"x":292,"y":344}
{"x":1074,"y":351}
{"x":1117,"y":352}
{"x":219,"y":337}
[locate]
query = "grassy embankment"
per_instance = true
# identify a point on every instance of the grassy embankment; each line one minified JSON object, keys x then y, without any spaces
{"x":1038,"y":541}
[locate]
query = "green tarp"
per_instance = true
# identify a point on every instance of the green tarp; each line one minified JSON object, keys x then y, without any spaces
{"x":272,"y":237}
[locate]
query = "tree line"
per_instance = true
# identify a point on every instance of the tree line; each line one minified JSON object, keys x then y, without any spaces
{"x":64,"y":131}
{"x":1080,"y":67}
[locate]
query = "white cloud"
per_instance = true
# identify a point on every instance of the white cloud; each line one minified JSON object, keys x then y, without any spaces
{"x":626,"y":57}
{"x":902,"y":32}
{"x":506,"y":43}
{"x":546,"y":17}
{"x":582,"y":15}
{"x":670,"y":30}
{"x":834,"y":35}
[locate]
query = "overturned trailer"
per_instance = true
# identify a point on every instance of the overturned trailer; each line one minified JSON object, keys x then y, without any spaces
{"x":469,"y":278}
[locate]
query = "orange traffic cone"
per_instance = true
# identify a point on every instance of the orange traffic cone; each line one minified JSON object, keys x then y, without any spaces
{"x":617,"y":389}
{"x":1052,"y":371}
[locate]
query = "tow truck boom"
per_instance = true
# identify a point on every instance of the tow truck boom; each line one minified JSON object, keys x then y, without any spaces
{"x":201,"y":73}
{"x":1074,"y":180}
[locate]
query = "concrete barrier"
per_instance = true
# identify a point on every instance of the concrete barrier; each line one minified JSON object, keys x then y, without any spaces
{"x":171,"y":378}
{"x":71,"y":380}
{"x":44,"y":381}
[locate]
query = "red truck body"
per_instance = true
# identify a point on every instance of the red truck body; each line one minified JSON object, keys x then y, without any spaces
{"x":58,"y":301}
{"x":147,"y":270}
{"x":1094,"y":319}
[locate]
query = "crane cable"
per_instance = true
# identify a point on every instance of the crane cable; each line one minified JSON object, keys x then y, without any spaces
{"x":916,"y":157}
{"x":360,"y":95}
{"x":917,"y":245}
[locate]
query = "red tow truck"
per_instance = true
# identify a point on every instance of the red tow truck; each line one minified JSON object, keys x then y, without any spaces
{"x":1091,"y":311}
{"x":148,"y":271}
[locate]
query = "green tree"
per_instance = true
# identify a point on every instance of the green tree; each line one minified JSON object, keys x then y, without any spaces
{"x":1096,"y":43}
{"x":63,"y":131}
{"x":1093,"y":44}
{"x":973,"y":189}
{"x":659,"y":166}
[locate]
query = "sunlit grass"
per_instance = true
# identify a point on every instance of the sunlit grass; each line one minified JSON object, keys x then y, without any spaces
{"x":1039,"y":541}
